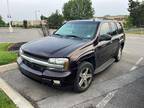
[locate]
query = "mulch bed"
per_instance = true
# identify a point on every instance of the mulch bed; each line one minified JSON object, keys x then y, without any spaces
{"x":16,"y":46}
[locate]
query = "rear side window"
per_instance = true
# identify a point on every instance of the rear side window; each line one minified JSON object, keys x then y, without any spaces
{"x":105,"y":29}
{"x":113,"y":29}
{"x":120,"y":29}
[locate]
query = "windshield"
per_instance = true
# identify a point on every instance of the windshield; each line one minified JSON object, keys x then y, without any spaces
{"x":84,"y":30}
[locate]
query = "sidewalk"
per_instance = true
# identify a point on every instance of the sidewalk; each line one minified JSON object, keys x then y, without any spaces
{"x":18,"y":99}
{"x":15,"y":96}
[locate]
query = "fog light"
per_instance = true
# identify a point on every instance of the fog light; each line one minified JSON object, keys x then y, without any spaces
{"x":56,"y":82}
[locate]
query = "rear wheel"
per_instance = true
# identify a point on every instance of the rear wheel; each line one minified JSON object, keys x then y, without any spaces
{"x":119,"y":54}
{"x":84,"y":77}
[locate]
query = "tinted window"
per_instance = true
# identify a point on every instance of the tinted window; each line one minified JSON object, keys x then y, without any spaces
{"x":113,"y":29}
{"x":105,"y":29}
{"x":80,"y":29}
{"x":120,"y":29}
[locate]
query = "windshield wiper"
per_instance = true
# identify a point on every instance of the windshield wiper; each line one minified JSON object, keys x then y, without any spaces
{"x":58,"y":34}
{"x":74,"y":36}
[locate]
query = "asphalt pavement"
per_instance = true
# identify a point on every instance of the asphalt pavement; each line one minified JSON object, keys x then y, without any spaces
{"x":130,"y":96}
{"x":20,"y":35}
{"x":108,"y":87}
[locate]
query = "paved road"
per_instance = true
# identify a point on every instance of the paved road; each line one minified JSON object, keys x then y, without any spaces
{"x":20,"y":35}
{"x":106,"y":83}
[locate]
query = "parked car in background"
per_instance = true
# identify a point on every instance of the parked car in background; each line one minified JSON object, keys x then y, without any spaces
{"x":74,"y":53}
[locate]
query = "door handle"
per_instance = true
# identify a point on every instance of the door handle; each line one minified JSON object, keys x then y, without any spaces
{"x":103,"y":45}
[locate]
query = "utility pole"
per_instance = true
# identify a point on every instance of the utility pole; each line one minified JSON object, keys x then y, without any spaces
{"x":36,"y":12}
{"x":9,"y":17}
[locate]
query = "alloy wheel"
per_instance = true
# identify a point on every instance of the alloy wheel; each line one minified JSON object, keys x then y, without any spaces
{"x":85,"y":77}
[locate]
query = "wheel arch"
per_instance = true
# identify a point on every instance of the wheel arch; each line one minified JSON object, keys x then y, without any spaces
{"x":88,"y":58}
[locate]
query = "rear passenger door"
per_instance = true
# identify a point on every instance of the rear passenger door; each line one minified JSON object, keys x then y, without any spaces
{"x":115,"y":38}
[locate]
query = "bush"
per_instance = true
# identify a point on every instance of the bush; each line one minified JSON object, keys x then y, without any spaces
{"x":2,"y":23}
{"x":25,"y":24}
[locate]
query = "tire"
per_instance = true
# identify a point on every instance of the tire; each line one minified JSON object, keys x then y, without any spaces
{"x":84,"y":77}
{"x":119,"y":54}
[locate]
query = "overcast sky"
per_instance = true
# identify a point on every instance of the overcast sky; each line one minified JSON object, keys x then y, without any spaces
{"x":25,"y":9}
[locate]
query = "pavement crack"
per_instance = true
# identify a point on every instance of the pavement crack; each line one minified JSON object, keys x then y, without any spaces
{"x":34,"y":103}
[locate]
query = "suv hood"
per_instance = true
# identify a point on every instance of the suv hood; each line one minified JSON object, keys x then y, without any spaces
{"x":53,"y":46}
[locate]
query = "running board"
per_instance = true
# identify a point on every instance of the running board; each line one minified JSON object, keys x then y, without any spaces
{"x":104,"y":66}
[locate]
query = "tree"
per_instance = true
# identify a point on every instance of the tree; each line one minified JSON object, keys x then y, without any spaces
{"x":25,"y":23}
{"x":129,"y":22}
{"x":141,"y":14}
{"x":43,"y":17}
{"x":2,"y":23}
{"x":55,"y":20}
{"x":78,"y":9}
{"x":136,"y":10}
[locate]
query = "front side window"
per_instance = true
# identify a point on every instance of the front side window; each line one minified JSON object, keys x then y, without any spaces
{"x":113,"y":29}
{"x":85,"y":30}
{"x":105,"y":29}
{"x":104,"y":34}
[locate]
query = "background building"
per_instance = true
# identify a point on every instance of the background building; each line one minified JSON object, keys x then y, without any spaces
{"x":29,"y":22}
{"x":120,"y":18}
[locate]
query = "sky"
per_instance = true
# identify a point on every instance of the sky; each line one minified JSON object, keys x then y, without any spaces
{"x":27,"y":9}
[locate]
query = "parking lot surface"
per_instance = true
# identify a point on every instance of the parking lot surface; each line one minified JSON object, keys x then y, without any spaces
{"x":19,"y":35}
{"x":109,"y":82}
{"x":131,"y":96}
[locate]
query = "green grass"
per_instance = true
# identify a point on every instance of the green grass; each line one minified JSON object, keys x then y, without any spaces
{"x":5,"y":102}
{"x":135,"y":31}
{"x":6,"y":57}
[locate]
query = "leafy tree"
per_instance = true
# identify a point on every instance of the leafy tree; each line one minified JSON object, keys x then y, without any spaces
{"x":55,"y":20}
{"x":136,"y":10}
{"x":129,"y":22}
{"x":78,"y":9}
{"x":141,"y":14}
{"x":2,"y":23}
{"x":43,"y":17}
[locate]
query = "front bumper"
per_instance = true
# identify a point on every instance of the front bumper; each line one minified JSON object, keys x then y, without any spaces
{"x":45,"y":75}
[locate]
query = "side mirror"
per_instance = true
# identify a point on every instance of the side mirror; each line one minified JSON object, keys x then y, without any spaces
{"x":54,"y":32}
{"x":105,"y":37}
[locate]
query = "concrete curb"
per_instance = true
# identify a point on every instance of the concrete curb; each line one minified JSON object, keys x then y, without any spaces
{"x":8,"y":67}
{"x":19,"y":100}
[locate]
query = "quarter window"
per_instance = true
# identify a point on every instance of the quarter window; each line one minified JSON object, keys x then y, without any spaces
{"x":120,"y":29}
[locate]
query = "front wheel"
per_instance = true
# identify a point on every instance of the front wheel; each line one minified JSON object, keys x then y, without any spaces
{"x":84,"y":77}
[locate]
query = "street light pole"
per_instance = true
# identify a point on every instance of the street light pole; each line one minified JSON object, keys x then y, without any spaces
{"x":36,"y":12}
{"x":9,"y":17}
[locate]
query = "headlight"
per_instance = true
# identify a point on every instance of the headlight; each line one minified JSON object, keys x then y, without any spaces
{"x":20,"y":52}
{"x":59,"y":63}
